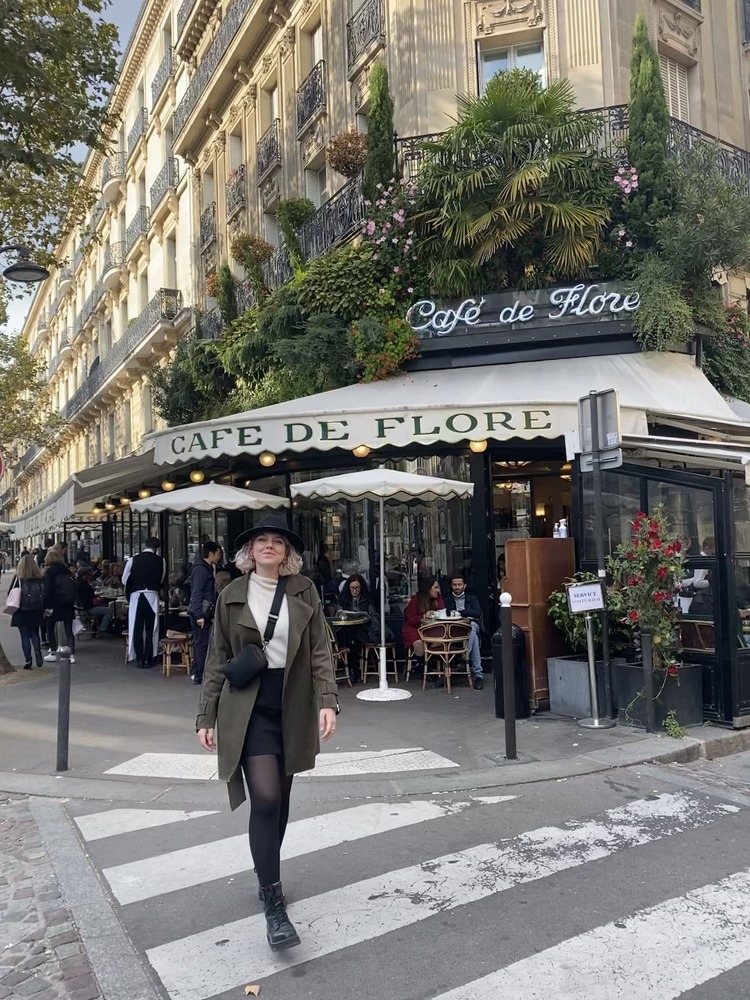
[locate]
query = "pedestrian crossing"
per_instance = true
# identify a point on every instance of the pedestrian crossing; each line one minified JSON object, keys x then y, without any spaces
{"x":406,"y":890}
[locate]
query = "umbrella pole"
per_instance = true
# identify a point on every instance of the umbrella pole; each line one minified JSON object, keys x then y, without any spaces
{"x":383,"y":662}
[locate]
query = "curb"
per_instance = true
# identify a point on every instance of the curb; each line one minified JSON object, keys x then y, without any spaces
{"x":651,"y":750}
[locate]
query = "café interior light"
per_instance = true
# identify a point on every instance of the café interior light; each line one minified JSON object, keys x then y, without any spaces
{"x":267,"y":459}
{"x":248,"y":482}
{"x":125,"y":501}
{"x":567,"y":467}
{"x":540,"y":510}
{"x":98,"y":507}
{"x":361,"y":451}
{"x":478,"y":446}
{"x":168,"y":485}
{"x":144,"y":493}
{"x":197,"y":476}
{"x":109,"y":504}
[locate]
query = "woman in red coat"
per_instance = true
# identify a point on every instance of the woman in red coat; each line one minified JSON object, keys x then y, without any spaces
{"x":418,"y":612}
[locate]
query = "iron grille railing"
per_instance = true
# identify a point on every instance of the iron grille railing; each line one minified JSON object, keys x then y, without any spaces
{"x":114,"y":256}
{"x":230,"y":24}
{"x":161,"y":76}
{"x":183,"y":14}
{"x":208,"y":225}
{"x":88,"y":308}
{"x":268,"y":152}
{"x":138,"y":129}
{"x":335,"y":221}
{"x":164,"y":306}
{"x":114,"y":167}
{"x":66,"y":339}
{"x":54,"y":363}
{"x":98,"y":293}
{"x":278,"y":269}
{"x":244,"y":297}
{"x":42,"y":322}
{"x":65,"y":274}
{"x":167,"y":178}
{"x":138,"y":227}
{"x":236,"y":191}
{"x":311,"y":96}
{"x":77,"y":258}
{"x":211,"y":325}
{"x":365,"y":28}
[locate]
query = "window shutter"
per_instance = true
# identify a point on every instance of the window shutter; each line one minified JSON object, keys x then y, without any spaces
{"x":675,"y":79}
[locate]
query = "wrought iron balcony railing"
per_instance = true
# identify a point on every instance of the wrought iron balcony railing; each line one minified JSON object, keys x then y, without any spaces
{"x":114,"y":256}
{"x":138,"y":227}
{"x":244,"y":297}
{"x":211,"y":325}
{"x":278,"y":269}
{"x":77,"y":258}
{"x":114,"y":167}
{"x":88,"y":308}
{"x":98,"y":293}
{"x":42,"y":322}
{"x":164,"y":306}
{"x":183,"y":14}
{"x":311,"y":96}
{"x":167,"y":178}
{"x":230,"y":24}
{"x":335,"y":221}
{"x":236,"y":191}
{"x":365,"y":28}
{"x":268,"y":152}
{"x":138,"y":129}
{"x":208,"y":225}
{"x":161,"y":76}
{"x":65,"y":338}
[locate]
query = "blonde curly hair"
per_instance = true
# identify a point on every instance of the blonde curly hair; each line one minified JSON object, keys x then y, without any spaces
{"x":291,"y":566}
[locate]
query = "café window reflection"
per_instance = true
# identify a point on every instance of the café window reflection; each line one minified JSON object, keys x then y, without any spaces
{"x":620,"y":502}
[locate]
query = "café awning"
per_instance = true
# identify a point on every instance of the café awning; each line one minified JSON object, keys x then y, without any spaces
{"x":496,"y":402}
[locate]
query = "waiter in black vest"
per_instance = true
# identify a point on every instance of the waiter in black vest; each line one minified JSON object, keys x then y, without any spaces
{"x":144,"y":578}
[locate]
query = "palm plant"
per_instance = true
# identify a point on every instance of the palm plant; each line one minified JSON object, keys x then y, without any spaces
{"x":517,"y":189}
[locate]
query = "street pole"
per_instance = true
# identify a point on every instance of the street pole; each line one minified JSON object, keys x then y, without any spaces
{"x":63,"y":699}
{"x":509,"y":678}
{"x":595,"y":722}
{"x":648,"y":680}
{"x":601,"y":566}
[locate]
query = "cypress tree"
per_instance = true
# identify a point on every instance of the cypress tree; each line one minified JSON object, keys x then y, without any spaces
{"x":380,"y":153}
{"x":648,"y":140}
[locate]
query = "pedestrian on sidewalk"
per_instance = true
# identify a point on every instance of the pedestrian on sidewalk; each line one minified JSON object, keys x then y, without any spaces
{"x":29,"y":618}
{"x":144,"y":577}
{"x":202,"y":604}
{"x":268,"y":726}
{"x":59,"y":601}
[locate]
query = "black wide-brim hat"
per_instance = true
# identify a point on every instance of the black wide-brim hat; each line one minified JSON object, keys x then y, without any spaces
{"x":275,"y":524}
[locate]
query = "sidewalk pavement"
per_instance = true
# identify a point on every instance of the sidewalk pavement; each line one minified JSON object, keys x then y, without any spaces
{"x":119,"y":712}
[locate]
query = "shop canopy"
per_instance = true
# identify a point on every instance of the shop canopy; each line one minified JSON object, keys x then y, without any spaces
{"x":495,"y":402}
{"x":208,"y":496}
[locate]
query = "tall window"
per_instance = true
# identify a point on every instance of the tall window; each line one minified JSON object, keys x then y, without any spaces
{"x":675,"y":79}
{"x":316,"y":45}
{"x":271,"y":228}
{"x":316,"y":184}
{"x":529,"y":56}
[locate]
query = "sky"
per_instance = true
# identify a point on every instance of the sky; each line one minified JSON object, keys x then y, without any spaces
{"x":122,"y":13}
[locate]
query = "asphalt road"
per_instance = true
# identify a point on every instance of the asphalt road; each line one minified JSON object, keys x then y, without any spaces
{"x":634,"y":883}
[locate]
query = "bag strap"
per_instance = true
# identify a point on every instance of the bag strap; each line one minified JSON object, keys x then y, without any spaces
{"x":273,"y":614}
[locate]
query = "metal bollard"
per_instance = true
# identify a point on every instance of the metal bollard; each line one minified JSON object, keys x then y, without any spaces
{"x":509,"y":677}
{"x":63,"y":699}
{"x":595,"y":722}
{"x":648,"y":680}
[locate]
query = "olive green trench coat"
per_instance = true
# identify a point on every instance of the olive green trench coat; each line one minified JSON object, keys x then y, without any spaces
{"x":309,"y":682}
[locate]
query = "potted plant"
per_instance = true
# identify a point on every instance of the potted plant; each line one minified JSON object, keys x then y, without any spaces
{"x":648,"y":570}
{"x":568,"y":675}
{"x":347,"y":153}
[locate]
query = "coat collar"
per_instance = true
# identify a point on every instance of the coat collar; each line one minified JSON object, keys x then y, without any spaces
{"x":300,"y":612}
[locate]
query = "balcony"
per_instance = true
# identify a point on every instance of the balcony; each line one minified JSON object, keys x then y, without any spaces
{"x":165,"y":184}
{"x":236,"y":191}
{"x":77,"y":258}
{"x":114,"y":260}
{"x":160,"y":311}
{"x":365,"y":31}
{"x":336,"y":221}
{"x":278,"y":269}
{"x":64,"y":281}
{"x":98,"y":293}
{"x":66,"y":343}
{"x":54,"y":363}
{"x":311,"y":97}
{"x":268,"y":153}
{"x":192,"y":18}
{"x":161,"y":77}
{"x":137,"y":230}
{"x":113,"y":173}
{"x":87,"y":312}
{"x":42,"y":323}
{"x":138,"y":131}
{"x":244,"y":297}
{"x":211,"y":325}
{"x":208,"y":226}
{"x":206,"y":81}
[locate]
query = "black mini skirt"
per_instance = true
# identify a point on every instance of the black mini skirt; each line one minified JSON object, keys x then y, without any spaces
{"x":263,"y":735}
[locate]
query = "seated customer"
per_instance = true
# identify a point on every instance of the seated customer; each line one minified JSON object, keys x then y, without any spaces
{"x":97,"y":609}
{"x":355,"y":596}
{"x":419,"y":611}
{"x":467,"y":606}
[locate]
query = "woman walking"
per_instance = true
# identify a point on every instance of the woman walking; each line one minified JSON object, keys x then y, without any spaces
{"x":59,"y":601}
{"x":272,"y":715}
{"x":29,"y":618}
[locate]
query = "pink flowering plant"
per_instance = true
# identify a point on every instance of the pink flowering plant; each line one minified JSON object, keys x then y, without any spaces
{"x":726,"y":355}
{"x":388,"y":231}
{"x":626,"y":180}
{"x":649,"y":569}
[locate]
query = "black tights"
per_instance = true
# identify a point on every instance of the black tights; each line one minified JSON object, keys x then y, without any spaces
{"x":269,"y":790}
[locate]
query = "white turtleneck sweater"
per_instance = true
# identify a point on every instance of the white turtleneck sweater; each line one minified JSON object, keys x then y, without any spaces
{"x":260,"y":594}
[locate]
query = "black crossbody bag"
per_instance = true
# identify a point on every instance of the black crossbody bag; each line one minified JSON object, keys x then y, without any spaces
{"x":251,"y":661}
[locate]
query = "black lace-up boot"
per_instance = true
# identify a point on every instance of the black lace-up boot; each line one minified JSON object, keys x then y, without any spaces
{"x":279,"y":928}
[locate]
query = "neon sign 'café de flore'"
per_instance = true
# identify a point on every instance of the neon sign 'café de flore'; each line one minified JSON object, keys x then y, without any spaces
{"x":492,"y":398}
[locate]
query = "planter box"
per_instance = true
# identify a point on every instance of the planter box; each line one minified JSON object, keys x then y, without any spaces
{"x":684,"y":698}
{"x":569,"y":686}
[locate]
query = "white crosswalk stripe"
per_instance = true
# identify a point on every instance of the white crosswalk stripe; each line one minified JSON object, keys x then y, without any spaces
{"x":619,"y":960}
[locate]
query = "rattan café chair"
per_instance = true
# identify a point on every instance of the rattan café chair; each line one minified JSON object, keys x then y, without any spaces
{"x":446,"y":644}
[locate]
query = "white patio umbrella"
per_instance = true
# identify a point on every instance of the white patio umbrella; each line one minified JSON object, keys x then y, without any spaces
{"x":208,"y":496}
{"x":7,"y":527}
{"x":380,"y":485}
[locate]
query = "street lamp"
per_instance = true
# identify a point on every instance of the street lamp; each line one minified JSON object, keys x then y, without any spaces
{"x":25,"y":269}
